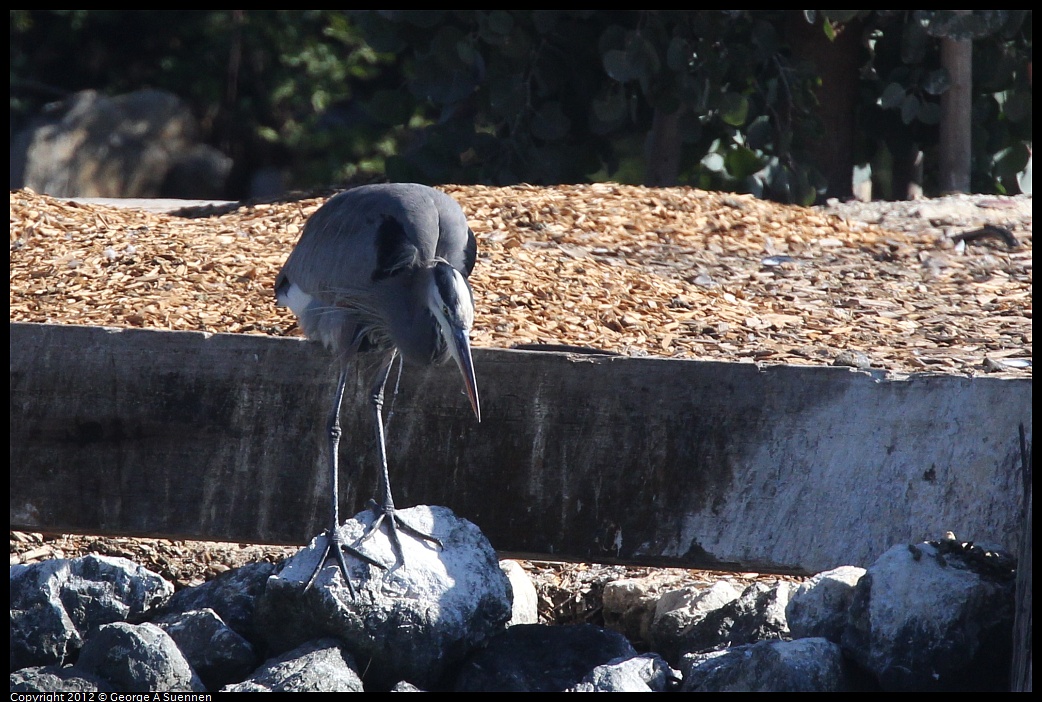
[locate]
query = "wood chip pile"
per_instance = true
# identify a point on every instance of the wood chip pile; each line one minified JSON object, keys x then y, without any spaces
{"x":672,"y":272}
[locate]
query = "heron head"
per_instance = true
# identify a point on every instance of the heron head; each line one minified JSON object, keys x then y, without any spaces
{"x":452,"y":303}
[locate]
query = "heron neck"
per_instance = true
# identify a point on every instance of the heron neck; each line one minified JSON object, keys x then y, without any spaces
{"x":413,"y":326}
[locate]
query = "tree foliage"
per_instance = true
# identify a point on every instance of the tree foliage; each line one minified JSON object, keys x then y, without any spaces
{"x":570,"y":95}
{"x":265,"y":85}
{"x":904,"y":80}
{"x":716,"y":99}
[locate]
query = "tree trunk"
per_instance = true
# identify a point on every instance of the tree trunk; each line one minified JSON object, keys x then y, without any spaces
{"x":957,"y":58}
{"x":837,"y":62}
{"x":663,"y":150}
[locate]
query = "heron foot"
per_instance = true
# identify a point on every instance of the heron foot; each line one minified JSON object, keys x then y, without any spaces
{"x":395,"y":523}
{"x":336,"y":546}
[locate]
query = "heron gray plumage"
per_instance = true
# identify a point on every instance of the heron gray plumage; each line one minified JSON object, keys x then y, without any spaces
{"x":383,"y":268}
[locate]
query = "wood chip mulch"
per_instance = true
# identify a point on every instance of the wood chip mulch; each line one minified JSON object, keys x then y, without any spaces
{"x":673,"y":272}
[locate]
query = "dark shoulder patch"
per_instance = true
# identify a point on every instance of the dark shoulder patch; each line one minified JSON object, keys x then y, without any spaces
{"x":470,"y":253}
{"x":394,"y":251}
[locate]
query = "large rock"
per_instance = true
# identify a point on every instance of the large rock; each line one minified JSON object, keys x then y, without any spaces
{"x":319,"y":666}
{"x":232,"y":595}
{"x":55,"y":604}
{"x":53,"y":678}
{"x":215,"y":651}
{"x":647,"y":672}
{"x":630,"y":604}
{"x":413,"y":622}
{"x":712,"y":619}
{"x":934,"y":616}
{"x":679,"y":612}
{"x":141,"y":144}
{"x":525,"y":597}
{"x":138,"y":658}
{"x":542,"y":658}
{"x":804,"y":665}
{"x":819,"y":606}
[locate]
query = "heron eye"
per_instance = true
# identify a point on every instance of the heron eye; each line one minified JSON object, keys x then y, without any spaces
{"x":445,"y":310}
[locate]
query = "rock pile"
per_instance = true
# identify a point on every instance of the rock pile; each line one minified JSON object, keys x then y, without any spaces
{"x":930,"y":616}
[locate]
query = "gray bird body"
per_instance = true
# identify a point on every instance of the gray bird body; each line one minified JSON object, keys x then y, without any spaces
{"x":383,"y":268}
{"x":364,"y":263}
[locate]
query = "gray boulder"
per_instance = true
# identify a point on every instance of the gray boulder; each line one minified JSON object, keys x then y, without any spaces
{"x":714,"y":621}
{"x":804,"y":665}
{"x":647,"y":672}
{"x":541,"y":658}
{"x":232,"y":596}
{"x":55,"y":603}
{"x":934,"y":616}
{"x":819,"y":606}
{"x":677,"y":612}
{"x":412,"y":622}
{"x":53,"y":678}
{"x":525,"y":597}
{"x":138,"y":658}
{"x":140,"y":144}
{"x":630,"y":604}
{"x":214,"y":650}
{"x":318,"y":666}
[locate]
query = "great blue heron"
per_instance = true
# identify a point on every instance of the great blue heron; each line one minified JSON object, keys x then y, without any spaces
{"x":383,"y":268}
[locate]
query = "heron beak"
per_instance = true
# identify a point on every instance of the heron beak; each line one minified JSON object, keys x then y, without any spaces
{"x":461,"y":352}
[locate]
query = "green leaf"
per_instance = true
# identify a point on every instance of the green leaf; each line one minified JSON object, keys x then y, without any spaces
{"x":617,"y":66}
{"x":610,"y":106}
{"x":909,"y":109}
{"x":423,"y":18}
{"x":268,"y":134}
{"x":759,"y":133}
{"x":803,"y":193}
{"x":614,"y":37}
{"x":713,"y":161}
{"x":445,"y":47}
{"x":1017,"y":106}
{"x":1009,"y":162}
{"x":550,"y":122}
{"x":388,"y":107}
{"x":734,"y":109}
{"x":947,"y":24}
{"x":830,"y":31}
{"x":742,"y":162}
{"x":765,"y":40}
{"x":506,"y":94}
{"x":642,"y":57}
{"x":937,"y":82}
{"x":929,"y":113}
{"x":893,"y":96}
{"x":678,"y":54}
{"x":545,"y":21}
{"x":500,"y":21}
{"x":914,"y":41}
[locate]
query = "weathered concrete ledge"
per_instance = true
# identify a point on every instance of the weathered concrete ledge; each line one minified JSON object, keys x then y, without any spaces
{"x":600,"y":458}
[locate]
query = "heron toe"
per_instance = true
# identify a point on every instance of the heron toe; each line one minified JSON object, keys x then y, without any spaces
{"x":394,"y":523}
{"x":335,"y":546}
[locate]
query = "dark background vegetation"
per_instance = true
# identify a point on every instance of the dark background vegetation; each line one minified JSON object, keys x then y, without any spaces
{"x":783,"y":104}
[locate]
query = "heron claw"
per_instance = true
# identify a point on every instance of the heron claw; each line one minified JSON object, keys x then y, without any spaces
{"x":336,"y":546}
{"x":394,"y":523}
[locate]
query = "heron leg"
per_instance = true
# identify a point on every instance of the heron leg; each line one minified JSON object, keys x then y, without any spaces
{"x":385,"y":507}
{"x":334,"y":543}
